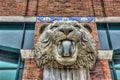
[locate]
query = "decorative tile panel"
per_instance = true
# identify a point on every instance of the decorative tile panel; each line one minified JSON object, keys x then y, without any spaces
{"x":79,"y":19}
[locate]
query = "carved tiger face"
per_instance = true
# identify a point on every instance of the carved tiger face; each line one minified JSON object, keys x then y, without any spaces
{"x":65,"y":44}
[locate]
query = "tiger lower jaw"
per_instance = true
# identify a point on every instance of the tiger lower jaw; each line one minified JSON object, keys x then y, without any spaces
{"x":66,"y":61}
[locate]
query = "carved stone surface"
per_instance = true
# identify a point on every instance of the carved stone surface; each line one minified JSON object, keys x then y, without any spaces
{"x":64,"y":74}
{"x":105,"y":54}
{"x":65,"y":44}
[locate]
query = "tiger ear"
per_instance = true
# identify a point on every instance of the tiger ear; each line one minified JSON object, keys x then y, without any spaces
{"x":42,"y":27}
{"x":87,"y":26}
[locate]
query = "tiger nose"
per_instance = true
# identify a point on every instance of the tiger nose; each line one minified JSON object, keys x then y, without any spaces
{"x":66,"y":31}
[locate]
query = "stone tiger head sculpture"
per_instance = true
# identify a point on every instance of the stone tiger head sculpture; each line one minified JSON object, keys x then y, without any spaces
{"x":65,"y":44}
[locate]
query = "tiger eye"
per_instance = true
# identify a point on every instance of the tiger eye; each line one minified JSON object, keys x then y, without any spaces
{"x":77,"y":26}
{"x":53,"y":27}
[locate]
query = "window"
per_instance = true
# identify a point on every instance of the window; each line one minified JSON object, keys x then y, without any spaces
{"x":109,"y":39}
{"x":13,"y":37}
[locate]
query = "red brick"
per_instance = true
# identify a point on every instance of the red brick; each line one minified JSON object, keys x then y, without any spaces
{"x":31,"y":71}
{"x":59,"y":8}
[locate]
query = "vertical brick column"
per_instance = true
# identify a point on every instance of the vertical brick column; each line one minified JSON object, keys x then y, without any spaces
{"x":37,"y":34}
{"x":106,"y":70}
{"x":101,"y":70}
{"x":31,"y":71}
{"x":96,"y":73}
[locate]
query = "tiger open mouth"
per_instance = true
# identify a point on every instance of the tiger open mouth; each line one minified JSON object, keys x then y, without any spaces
{"x":66,"y":48}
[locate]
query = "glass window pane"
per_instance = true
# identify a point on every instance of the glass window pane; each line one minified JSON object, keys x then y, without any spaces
{"x":29,"y":39}
{"x":7,"y":74}
{"x":118,"y":74}
{"x":103,"y":39}
{"x":9,"y":57}
{"x":11,"y":38}
{"x":7,"y":64}
{"x":117,"y":63}
{"x":115,"y":38}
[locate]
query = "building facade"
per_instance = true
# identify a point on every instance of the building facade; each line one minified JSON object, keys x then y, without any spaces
{"x":19,"y":29}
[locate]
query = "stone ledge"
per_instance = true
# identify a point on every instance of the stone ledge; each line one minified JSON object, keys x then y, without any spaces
{"x":26,"y":54}
{"x":17,"y":19}
{"x":33,"y":19}
{"x":102,"y":54}
{"x":105,"y":54}
{"x":107,"y":19}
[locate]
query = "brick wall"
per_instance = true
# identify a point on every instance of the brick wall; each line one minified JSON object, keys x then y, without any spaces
{"x":12,"y":7}
{"x":62,"y":8}
{"x":31,"y":71}
{"x":59,"y":8}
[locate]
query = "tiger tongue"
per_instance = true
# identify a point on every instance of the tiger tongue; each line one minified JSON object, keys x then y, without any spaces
{"x":66,"y":48}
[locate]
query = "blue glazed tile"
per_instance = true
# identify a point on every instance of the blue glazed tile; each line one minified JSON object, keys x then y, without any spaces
{"x":79,"y":19}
